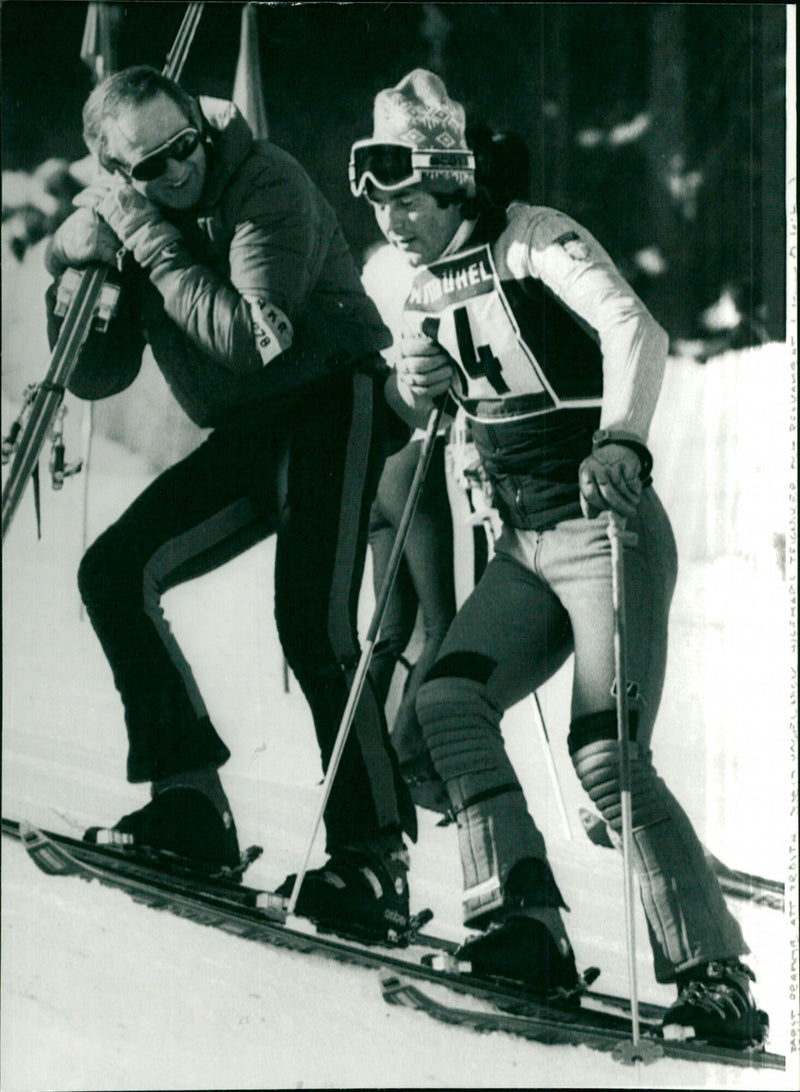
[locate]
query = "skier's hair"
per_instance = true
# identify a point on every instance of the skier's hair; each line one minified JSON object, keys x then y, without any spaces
{"x":130,"y":87}
{"x":480,"y":204}
{"x":471,"y":206}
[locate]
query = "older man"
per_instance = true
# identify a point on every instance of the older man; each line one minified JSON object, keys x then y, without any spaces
{"x":235,"y":271}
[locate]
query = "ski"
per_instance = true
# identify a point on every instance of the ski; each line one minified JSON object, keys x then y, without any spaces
{"x":733,"y":882}
{"x":748,"y":887}
{"x":145,"y":865}
{"x":250,"y":913}
{"x":553,"y":1027}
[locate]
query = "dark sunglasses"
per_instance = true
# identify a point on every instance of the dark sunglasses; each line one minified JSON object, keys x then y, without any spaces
{"x":394,"y":166}
{"x":154,"y":164}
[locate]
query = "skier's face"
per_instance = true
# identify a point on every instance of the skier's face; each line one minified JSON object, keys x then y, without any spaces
{"x":147,"y":128}
{"x":413,"y":222}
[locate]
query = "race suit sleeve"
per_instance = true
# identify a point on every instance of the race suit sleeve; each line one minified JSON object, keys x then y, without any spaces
{"x":246,"y":320}
{"x":577,"y":270}
{"x":108,"y":362}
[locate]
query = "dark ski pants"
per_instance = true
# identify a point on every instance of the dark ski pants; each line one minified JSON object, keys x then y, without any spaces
{"x":425,"y":580}
{"x":310,"y":477}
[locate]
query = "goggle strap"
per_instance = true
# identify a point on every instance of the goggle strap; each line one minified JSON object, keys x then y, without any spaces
{"x":420,"y":161}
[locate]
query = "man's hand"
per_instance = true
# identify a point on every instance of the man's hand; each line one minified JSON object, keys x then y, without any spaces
{"x":422,"y":373}
{"x":609,"y":479}
{"x":82,"y":238}
{"x":122,"y":207}
{"x":424,"y":369}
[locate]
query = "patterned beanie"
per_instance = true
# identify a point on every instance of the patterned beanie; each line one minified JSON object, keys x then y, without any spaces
{"x":419,"y":112}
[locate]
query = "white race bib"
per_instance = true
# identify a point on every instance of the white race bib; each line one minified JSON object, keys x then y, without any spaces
{"x":463,"y":297}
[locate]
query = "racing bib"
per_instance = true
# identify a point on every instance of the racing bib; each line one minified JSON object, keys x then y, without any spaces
{"x":460,"y":302}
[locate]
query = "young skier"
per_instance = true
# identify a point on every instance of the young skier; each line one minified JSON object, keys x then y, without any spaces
{"x":237,"y":275}
{"x":523,"y":317}
{"x":426,"y":579}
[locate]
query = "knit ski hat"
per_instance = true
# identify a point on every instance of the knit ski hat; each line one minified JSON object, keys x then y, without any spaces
{"x":419,"y":112}
{"x":419,"y":115}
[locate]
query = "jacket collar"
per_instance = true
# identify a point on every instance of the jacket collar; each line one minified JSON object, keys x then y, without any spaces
{"x":461,"y":236}
{"x":228,"y":139}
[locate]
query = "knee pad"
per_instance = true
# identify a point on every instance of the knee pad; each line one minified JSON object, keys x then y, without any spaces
{"x":594,"y":750}
{"x":461,"y":726}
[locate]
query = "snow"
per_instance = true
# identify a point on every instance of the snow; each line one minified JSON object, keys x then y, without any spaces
{"x":99,"y":992}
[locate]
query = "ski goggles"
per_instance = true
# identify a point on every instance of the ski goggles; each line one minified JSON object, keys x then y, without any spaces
{"x":153,"y":165}
{"x":395,"y":166}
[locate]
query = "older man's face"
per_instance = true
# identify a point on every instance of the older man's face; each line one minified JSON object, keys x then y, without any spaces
{"x":142,"y":129}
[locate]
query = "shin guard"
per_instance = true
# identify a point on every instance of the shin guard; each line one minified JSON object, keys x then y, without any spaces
{"x":462,"y":731}
{"x":688,"y":920}
{"x":594,"y":750}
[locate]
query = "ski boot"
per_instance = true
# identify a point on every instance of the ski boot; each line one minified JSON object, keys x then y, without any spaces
{"x":359,"y":892}
{"x":522,"y":948}
{"x":525,"y":940}
{"x":178,"y":821}
{"x":715,"y":1004}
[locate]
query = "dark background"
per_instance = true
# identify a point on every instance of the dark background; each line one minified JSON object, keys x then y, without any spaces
{"x":699,"y":180}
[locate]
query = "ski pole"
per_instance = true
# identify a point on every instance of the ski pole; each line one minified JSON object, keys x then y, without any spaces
{"x":636,"y":1050}
{"x":552,"y":773}
{"x":357,"y":686}
{"x":88,"y":438}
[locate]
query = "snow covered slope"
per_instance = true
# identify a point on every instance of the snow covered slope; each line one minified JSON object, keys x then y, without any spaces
{"x":100,"y":993}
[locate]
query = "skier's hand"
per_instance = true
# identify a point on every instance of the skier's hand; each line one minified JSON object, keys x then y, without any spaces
{"x":609,"y":479}
{"x":422,"y":372}
{"x":122,"y":207}
{"x":424,"y":368}
{"x":82,"y":238}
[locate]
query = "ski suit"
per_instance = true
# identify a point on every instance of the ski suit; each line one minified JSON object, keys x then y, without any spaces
{"x":296,"y":447}
{"x":550,"y":343}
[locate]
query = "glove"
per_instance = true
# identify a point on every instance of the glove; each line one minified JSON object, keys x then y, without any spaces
{"x":82,"y":238}
{"x":121,"y":206}
{"x":609,"y":479}
{"x":135,"y":219}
